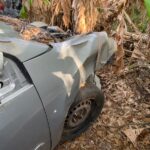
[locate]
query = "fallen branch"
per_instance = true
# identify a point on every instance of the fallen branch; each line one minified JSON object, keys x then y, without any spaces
{"x":130,"y":22}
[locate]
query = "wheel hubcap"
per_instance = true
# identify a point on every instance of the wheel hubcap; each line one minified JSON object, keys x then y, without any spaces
{"x":78,"y":114}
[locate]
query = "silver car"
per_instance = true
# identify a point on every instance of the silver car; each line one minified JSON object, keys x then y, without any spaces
{"x":49,"y":93}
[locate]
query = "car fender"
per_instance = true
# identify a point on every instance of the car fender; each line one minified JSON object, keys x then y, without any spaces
{"x":59,"y":73}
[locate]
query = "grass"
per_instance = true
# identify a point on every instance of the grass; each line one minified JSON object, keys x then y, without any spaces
{"x":139,"y":18}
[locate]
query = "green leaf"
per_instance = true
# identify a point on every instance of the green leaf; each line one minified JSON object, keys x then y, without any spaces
{"x":30,"y":2}
{"x":23,"y":12}
{"x":147,"y":4}
{"x":46,"y":2}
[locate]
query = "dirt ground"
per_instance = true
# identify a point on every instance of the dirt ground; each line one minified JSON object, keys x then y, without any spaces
{"x":125,"y":120}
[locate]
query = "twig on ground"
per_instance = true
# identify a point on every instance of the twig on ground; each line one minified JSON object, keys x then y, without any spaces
{"x":136,"y":37}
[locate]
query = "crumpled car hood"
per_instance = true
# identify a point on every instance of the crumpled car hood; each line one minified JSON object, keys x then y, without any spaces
{"x":81,"y":47}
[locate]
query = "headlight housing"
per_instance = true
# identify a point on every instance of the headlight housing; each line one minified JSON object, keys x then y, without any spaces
{"x":11,"y":78}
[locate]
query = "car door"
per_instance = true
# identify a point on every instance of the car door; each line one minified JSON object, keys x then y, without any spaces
{"x":23,"y":123}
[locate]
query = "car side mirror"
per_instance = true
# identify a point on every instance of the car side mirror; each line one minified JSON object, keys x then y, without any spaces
{"x":1,"y":63}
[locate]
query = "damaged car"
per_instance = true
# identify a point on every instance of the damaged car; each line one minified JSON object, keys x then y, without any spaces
{"x":49,"y":93}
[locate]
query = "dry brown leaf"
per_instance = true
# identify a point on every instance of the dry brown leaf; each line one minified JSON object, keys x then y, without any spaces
{"x":138,"y":54}
{"x":133,"y":134}
{"x":79,"y":16}
{"x":119,"y":63}
{"x":66,"y":6}
{"x":30,"y":32}
{"x":37,"y":34}
{"x":55,"y":9}
{"x":84,"y":15}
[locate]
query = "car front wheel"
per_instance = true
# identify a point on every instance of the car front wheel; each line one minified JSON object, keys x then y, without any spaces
{"x":87,"y":108}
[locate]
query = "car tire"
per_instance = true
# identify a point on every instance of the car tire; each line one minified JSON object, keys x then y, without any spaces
{"x":89,"y":103}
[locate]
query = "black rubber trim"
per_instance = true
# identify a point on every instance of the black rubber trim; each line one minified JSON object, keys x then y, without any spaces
{"x":38,"y":55}
{"x":20,"y":65}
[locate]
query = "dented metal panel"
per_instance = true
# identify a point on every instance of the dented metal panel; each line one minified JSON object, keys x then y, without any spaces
{"x":58,"y":74}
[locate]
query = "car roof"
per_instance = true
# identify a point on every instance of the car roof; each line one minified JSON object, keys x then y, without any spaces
{"x":11,"y":43}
